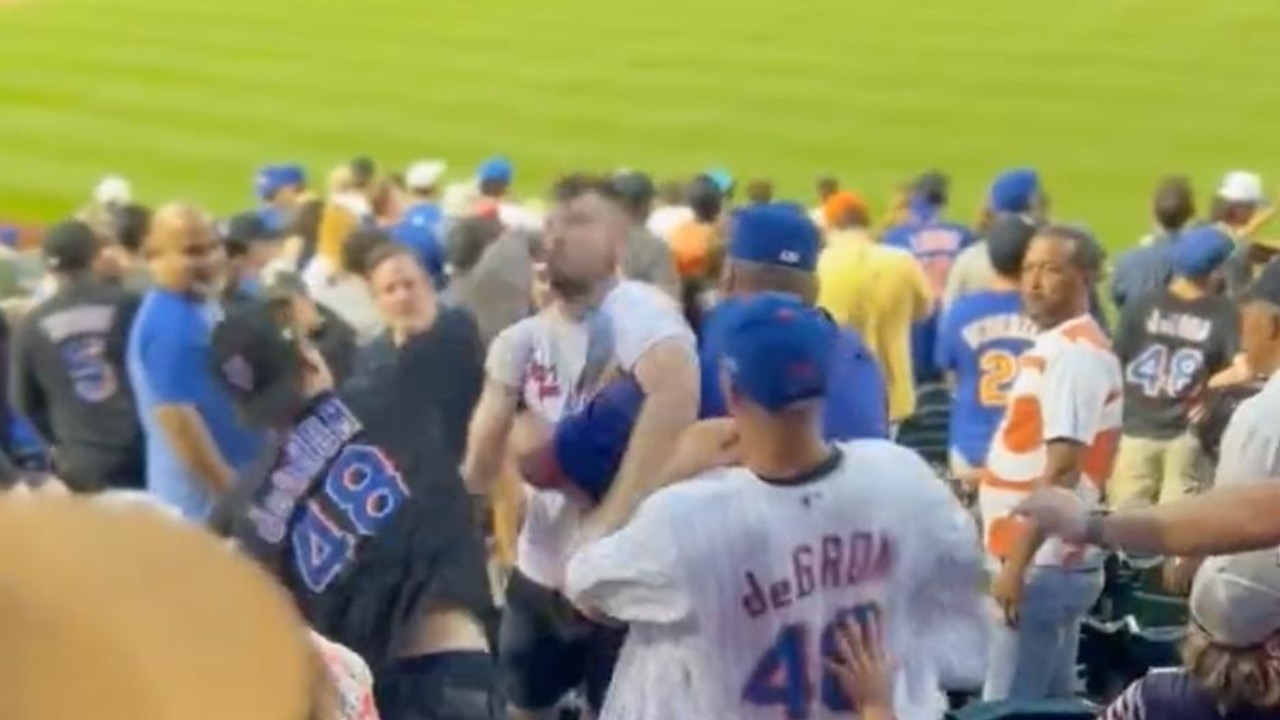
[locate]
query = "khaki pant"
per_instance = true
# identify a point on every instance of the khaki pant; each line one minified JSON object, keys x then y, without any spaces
{"x":1148,"y":472}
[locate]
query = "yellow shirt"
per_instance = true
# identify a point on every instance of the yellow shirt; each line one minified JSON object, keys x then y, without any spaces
{"x":878,"y":291}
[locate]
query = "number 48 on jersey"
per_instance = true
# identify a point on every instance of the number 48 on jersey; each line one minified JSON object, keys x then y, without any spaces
{"x":783,"y":674}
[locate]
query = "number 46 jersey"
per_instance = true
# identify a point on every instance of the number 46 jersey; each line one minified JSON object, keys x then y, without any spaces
{"x":364,"y":525}
{"x":734,"y":587}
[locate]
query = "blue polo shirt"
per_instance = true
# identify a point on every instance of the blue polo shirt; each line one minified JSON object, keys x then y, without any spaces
{"x":170,"y":362}
{"x":856,"y":404}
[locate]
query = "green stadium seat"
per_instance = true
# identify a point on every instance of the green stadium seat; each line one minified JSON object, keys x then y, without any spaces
{"x":1065,"y":709}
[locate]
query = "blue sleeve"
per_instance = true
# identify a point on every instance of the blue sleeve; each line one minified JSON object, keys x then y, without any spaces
{"x":857,"y":402}
{"x":896,"y":237}
{"x":171,"y":359}
{"x":712,"y":403}
{"x":944,"y":355}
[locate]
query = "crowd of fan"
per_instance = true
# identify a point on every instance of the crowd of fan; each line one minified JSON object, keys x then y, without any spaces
{"x":414,"y":294}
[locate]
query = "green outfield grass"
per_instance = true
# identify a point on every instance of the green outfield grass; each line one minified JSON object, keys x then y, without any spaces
{"x":187,"y":97}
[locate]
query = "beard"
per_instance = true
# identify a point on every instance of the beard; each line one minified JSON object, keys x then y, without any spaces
{"x":568,"y":288}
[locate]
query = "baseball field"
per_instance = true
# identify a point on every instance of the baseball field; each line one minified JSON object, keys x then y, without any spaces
{"x":187,"y":97}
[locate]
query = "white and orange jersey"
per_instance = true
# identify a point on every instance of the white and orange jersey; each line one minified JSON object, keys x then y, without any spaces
{"x":1069,"y":387}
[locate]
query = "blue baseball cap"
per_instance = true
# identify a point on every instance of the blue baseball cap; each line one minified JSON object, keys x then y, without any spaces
{"x":495,"y":169}
{"x":1201,"y":250}
{"x":775,"y":234}
{"x":775,"y":349}
{"x":587,"y":447}
{"x":273,"y":178}
{"x":1014,"y":191}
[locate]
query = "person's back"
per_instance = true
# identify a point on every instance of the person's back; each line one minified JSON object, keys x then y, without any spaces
{"x":981,"y":338}
{"x":69,"y":365}
{"x":1173,"y":694}
{"x":774,"y":569}
{"x":878,"y":291}
{"x":935,"y":243}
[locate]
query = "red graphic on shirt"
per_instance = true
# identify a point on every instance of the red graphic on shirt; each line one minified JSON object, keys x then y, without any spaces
{"x":544,"y":380}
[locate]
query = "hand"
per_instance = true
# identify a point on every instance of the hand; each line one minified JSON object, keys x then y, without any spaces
{"x":862,"y":669}
{"x":1007,"y":591}
{"x":704,"y":445}
{"x":1057,"y":511}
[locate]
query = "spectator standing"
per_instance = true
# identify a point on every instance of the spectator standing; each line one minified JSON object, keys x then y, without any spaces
{"x":671,"y":212}
{"x":1013,"y":192}
{"x":1235,"y":206}
{"x":281,"y":189}
{"x":1229,"y":667}
{"x":1149,"y":266}
{"x":494,"y":269}
{"x":422,"y":225}
{"x":346,"y":291}
{"x":362,"y":521}
{"x":648,"y":258}
{"x":494,"y":178}
{"x":760,"y":192}
{"x":694,"y":242}
{"x":715,"y":616}
{"x":250,"y":245}
{"x":423,"y":343}
{"x":774,"y":248}
{"x":982,"y":336}
{"x":1250,"y":449}
{"x":826,"y":186}
{"x":1060,"y":428}
{"x":68,"y":373}
{"x":196,"y":444}
{"x":1170,"y":342}
{"x":935,"y":242}
{"x":329,"y":333}
{"x":133,"y":221}
{"x":876,"y":290}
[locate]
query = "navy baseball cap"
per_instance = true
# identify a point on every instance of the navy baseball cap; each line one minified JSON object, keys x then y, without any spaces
{"x":587,"y":446}
{"x":1014,"y":191}
{"x":70,"y":246}
{"x":255,"y":357}
{"x":775,"y":234}
{"x":1201,"y":250}
{"x":775,"y":349}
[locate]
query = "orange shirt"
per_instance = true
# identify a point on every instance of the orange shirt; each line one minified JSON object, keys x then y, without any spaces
{"x":1068,"y":387}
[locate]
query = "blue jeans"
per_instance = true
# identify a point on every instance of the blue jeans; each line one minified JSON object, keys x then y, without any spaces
{"x":1037,"y":659}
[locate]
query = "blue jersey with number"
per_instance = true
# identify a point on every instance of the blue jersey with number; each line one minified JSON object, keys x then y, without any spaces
{"x":980,"y":339}
{"x":935,"y":243}
{"x":364,"y":526}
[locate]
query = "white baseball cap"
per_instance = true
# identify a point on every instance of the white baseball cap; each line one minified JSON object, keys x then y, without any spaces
{"x":1241,"y":186}
{"x":113,"y":190}
{"x":424,"y":174}
{"x":1235,"y":599}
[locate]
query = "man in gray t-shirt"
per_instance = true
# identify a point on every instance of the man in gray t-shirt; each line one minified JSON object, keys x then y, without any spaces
{"x":1250,"y":449}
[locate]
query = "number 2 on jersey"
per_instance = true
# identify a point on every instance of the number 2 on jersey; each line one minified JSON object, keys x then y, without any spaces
{"x":998,"y":368}
{"x":783,"y":676}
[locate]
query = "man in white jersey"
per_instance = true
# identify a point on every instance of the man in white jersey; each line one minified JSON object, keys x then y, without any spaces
{"x":1060,"y":428}
{"x":736,"y":583}
{"x":551,"y":363}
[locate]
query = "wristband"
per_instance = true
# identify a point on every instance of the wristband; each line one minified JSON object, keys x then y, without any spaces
{"x":1094,"y":527}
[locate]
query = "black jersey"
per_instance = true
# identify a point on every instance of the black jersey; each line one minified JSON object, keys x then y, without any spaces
{"x":366,"y":523}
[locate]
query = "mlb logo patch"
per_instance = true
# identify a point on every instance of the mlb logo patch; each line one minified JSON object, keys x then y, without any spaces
{"x":238,"y":373}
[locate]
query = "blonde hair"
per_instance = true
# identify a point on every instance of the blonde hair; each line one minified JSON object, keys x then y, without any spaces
{"x":1235,"y":677}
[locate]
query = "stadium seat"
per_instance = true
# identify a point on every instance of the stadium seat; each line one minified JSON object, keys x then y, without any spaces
{"x":1066,"y":709}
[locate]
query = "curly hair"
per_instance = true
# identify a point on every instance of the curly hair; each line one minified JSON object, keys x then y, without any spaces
{"x":1237,"y":678}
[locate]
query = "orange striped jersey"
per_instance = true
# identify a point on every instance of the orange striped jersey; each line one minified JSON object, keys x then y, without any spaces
{"x":1068,"y":387}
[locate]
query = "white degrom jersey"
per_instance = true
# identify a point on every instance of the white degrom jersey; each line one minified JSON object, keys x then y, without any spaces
{"x":734,"y":588}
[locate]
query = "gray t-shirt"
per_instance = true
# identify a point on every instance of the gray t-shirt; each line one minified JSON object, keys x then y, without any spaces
{"x":1250,"y":449}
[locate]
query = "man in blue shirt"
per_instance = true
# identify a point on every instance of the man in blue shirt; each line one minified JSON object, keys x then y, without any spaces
{"x":196,"y":443}
{"x":980,"y":338}
{"x":420,"y":227}
{"x":1150,"y":265}
{"x":280,"y":188}
{"x":774,"y":248}
{"x":935,"y":242}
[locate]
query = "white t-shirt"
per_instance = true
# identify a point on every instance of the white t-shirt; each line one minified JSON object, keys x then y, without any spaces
{"x":556,"y":363}
{"x":349,"y":298}
{"x":663,"y":221}
{"x":736,"y":619}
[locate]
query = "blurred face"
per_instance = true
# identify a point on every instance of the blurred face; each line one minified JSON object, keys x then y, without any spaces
{"x":403,"y":293}
{"x":1260,"y":336}
{"x":192,"y":259}
{"x":1053,"y":288}
{"x":585,"y":237}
